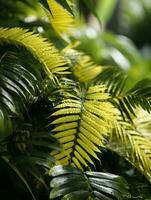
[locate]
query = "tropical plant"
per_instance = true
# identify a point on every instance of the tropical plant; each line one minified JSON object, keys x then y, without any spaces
{"x":59,"y":110}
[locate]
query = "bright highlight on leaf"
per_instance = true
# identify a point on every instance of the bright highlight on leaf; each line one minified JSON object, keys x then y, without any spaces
{"x":83,"y":67}
{"x":43,"y":50}
{"x":133,"y":146}
{"x":85,"y":70}
{"x":82,"y":126}
{"x":61,"y":20}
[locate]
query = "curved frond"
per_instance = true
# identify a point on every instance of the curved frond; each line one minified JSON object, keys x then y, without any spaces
{"x":86,"y":70}
{"x":27,"y":150}
{"x":31,"y":155}
{"x":18,"y":86}
{"x":133,"y":146}
{"x":61,"y":20}
{"x":82,"y":125}
{"x":114,"y":78}
{"x":143,"y":123}
{"x":31,"y":150}
{"x":83,"y":67}
{"x":44,"y":51}
{"x":86,"y":185}
{"x":139,"y":96}
{"x":130,"y":138}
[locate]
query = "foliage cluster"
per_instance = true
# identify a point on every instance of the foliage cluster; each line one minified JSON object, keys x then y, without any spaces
{"x":65,"y":108}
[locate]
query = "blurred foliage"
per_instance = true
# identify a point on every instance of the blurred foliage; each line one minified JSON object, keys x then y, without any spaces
{"x":113,"y":33}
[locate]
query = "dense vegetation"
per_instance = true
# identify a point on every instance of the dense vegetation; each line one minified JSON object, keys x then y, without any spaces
{"x":75,"y":101}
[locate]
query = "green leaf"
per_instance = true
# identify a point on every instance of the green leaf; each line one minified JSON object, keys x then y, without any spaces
{"x":83,"y":125}
{"x":80,"y":195}
{"x":17,"y":87}
{"x":91,"y":6}
{"x":65,"y":4}
{"x":5,"y":124}
{"x":42,"y":50}
{"x":89,"y":184}
{"x":45,"y":5}
{"x":105,"y":9}
{"x":132,"y":144}
{"x":126,"y":101}
{"x":61,"y":170}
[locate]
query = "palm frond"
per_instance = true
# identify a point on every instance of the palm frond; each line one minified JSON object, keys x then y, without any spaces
{"x":64,"y":3}
{"x":83,"y":67}
{"x":31,"y":149}
{"x":61,"y":20}
{"x":82,"y":125}
{"x":44,"y":51}
{"x":86,"y":185}
{"x":27,"y":150}
{"x":18,"y":86}
{"x":116,"y":83}
{"x":139,"y":96}
{"x":28,"y":153}
{"x":133,"y":146}
{"x":131,"y":141}
{"x":143,"y":123}
{"x":86,"y":70}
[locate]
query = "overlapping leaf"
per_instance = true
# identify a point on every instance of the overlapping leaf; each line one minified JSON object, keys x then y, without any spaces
{"x":116,"y":83}
{"x":126,"y":101}
{"x":85,"y":70}
{"x":143,"y":123}
{"x":132,"y":145}
{"x":61,"y":20}
{"x":83,"y":67}
{"x":82,"y":124}
{"x":130,"y":142}
{"x":17,"y":87}
{"x":63,"y":3}
{"x":89,"y":184}
{"x":138,"y":97}
{"x":44,"y":51}
{"x":31,"y":150}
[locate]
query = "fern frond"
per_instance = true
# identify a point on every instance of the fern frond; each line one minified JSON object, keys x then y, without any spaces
{"x":139,"y":96}
{"x":83,"y":67}
{"x":44,"y":51}
{"x":61,"y":20}
{"x":132,"y":142}
{"x":116,"y":83}
{"x":82,"y":125}
{"x":85,"y":70}
{"x":133,"y":146}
